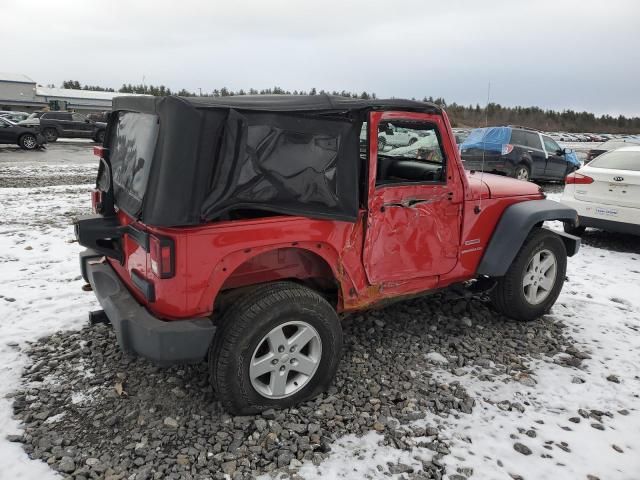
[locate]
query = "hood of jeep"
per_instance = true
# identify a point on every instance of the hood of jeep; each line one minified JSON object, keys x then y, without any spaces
{"x":498,"y":186}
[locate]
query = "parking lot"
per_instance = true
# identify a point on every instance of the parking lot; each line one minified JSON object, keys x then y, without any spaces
{"x":437,"y":387}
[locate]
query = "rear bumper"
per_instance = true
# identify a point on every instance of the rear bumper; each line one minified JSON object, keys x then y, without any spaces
{"x":609,"y":225}
{"x":139,"y":332}
{"x":612,"y":218}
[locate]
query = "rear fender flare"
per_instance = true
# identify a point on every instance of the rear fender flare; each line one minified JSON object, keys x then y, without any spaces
{"x":229,"y":265}
{"x":514,"y":227}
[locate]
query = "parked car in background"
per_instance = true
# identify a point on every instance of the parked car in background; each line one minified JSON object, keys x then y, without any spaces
{"x":610,"y":145}
{"x":98,"y":117}
{"x":25,"y":137}
{"x":60,"y":124}
{"x":461,"y":134}
{"x":14,"y":117}
{"x":606,"y":193}
{"x":396,"y":137}
{"x":517,"y":152}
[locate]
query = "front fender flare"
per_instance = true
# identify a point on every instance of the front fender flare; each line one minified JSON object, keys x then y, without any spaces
{"x":514,"y":227}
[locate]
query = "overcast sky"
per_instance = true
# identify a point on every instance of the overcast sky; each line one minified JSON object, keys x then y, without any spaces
{"x":583,"y":55}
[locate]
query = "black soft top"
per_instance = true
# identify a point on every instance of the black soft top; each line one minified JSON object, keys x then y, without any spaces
{"x":282,"y":103}
{"x":178,"y":161}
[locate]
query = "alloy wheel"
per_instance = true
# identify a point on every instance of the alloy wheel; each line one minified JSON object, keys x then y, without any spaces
{"x":285,"y":360}
{"x":29,"y":142}
{"x":539,"y":277}
{"x":522,"y":173}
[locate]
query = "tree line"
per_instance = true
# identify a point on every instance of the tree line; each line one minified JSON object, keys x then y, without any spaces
{"x":460,"y":115}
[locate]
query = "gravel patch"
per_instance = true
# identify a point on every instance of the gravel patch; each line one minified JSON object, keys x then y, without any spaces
{"x":120,"y":417}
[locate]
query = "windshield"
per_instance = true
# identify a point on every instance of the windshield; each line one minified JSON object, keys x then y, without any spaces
{"x":35,"y":115}
{"x":618,"y":160}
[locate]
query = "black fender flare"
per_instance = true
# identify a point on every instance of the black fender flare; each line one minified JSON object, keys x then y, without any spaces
{"x":513,"y":228}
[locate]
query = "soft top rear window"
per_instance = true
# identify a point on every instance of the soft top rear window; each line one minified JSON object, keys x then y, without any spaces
{"x":132,"y":148}
{"x":618,"y":160}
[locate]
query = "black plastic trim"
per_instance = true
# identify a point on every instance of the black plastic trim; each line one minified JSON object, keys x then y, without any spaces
{"x":609,"y":225}
{"x":145,"y":286}
{"x":101,"y":234}
{"x":140,"y":237}
{"x":514,"y":227}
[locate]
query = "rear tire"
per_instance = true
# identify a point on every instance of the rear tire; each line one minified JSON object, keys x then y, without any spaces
{"x":99,"y":138}
{"x":267,"y":330}
{"x":28,"y":141}
{"x":571,"y":230}
{"x":534,"y":280}
{"x":522,"y":172}
{"x":50,"y":134}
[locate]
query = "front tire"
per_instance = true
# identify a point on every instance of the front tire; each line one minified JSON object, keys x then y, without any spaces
{"x":277,"y":346}
{"x":382,"y":142}
{"x":535,"y":278}
{"x":28,"y":141}
{"x":99,"y":138}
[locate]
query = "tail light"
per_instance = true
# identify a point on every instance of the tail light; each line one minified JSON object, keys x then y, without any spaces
{"x":99,"y":151}
{"x":161,"y":251}
{"x":96,"y":200}
{"x":577,"y":179}
{"x":507,"y":148}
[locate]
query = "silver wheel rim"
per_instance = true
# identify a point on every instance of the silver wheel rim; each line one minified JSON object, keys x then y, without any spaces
{"x":539,"y":277}
{"x":522,"y":174}
{"x":29,"y":142}
{"x":285,"y":360}
{"x":49,"y":134}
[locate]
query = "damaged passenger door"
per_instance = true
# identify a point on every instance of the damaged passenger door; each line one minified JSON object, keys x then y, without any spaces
{"x":415,"y":199}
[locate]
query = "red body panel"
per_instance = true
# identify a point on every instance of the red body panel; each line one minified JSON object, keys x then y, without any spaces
{"x":391,"y":251}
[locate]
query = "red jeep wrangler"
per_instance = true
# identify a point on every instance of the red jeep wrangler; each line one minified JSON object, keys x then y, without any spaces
{"x":241,"y":228}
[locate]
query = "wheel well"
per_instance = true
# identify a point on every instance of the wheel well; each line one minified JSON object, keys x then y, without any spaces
{"x":525,"y":161}
{"x":294,"y":264}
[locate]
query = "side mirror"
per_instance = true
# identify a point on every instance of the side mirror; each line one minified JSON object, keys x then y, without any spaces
{"x":388,"y":131}
{"x":561,"y":151}
{"x":86,"y":120}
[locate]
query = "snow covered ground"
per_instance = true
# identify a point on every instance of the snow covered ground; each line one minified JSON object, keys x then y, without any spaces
{"x":40,"y":294}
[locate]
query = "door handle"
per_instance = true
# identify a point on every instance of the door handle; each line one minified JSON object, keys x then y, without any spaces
{"x":407,"y":203}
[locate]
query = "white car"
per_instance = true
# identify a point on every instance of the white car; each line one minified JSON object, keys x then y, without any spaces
{"x":606,"y":192}
{"x":396,"y":137}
